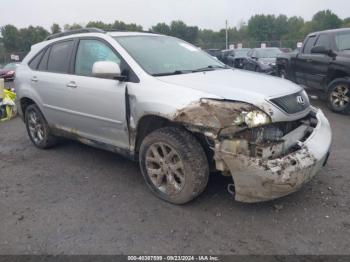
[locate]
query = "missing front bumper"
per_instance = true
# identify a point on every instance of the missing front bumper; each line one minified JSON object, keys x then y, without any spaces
{"x":258,"y":180}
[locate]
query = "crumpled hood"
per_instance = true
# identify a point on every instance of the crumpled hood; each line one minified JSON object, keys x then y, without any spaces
{"x":238,"y":85}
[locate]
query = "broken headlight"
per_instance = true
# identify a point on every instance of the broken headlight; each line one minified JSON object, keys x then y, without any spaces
{"x":253,"y":119}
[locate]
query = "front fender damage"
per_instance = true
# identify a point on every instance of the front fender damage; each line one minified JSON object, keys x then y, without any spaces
{"x":210,"y":117}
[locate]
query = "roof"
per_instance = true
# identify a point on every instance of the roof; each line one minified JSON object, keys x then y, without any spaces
{"x":94,"y":30}
{"x":116,"y":33}
{"x":74,"y":32}
{"x":331,"y":31}
{"x":81,"y":33}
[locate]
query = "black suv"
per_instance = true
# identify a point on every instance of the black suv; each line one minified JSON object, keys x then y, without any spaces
{"x":234,"y":57}
{"x":323,"y":63}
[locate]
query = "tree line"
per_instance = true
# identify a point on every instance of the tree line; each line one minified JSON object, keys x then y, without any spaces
{"x":258,"y":28}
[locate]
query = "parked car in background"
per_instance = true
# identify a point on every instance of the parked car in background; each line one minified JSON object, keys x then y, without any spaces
{"x":178,"y":111}
{"x":8,"y":72}
{"x":214,"y":52}
{"x":234,"y":57}
{"x":262,"y":60}
{"x":323,"y":63}
{"x":226,"y":56}
{"x":286,"y":49}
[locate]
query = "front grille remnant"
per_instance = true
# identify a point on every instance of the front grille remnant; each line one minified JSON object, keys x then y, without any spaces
{"x":274,"y":140}
{"x":292,"y":104}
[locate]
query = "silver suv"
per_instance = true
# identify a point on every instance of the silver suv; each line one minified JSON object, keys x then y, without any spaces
{"x":178,"y":111}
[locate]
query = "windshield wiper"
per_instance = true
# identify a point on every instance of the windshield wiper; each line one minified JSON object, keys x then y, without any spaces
{"x":210,"y":68}
{"x":176,"y":72}
{"x":187,"y":71}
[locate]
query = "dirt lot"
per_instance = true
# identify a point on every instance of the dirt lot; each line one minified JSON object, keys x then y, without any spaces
{"x":74,"y":199}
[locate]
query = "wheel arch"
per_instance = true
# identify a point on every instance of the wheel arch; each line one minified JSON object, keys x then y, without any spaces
{"x":24,"y":102}
{"x":147,"y":124}
{"x":151,"y":122}
{"x":335,"y":74}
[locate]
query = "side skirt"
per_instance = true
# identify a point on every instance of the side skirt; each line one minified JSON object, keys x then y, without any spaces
{"x":97,"y":144}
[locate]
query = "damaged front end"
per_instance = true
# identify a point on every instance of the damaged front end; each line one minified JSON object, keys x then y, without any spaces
{"x":266,"y":160}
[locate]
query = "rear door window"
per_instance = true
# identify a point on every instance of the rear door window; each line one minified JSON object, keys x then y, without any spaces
{"x":59,"y":57}
{"x":325,"y":41}
{"x":309,"y":44}
{"x":342,"y":40}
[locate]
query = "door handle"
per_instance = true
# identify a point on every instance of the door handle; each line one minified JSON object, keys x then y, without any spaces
{"x":309,"y":60}
{"x":34,"y":79}
{"x":72,"y":84}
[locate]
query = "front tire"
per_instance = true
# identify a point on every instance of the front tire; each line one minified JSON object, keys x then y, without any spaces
{"x":338,"y":96}
{"x":38,"y":129}
{"x":174,"y":165}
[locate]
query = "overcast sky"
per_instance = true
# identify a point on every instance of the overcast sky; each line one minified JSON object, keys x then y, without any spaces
{"x":204,"y":13}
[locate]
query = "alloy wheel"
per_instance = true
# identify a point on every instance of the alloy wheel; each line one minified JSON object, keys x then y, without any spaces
{"x":36,"y":128}
{"x":339,"y":96}
{"x":165,"y":168}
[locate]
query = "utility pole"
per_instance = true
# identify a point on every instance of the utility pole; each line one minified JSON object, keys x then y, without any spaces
{"x":226,"y":36}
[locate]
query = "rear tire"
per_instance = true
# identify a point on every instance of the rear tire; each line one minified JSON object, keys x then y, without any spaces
{"x":38,"y":129}
{"x":174,"y":165}
{"x":338,"y":95}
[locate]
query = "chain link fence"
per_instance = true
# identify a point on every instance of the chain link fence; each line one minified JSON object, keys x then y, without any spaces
{"x":292,"y":44}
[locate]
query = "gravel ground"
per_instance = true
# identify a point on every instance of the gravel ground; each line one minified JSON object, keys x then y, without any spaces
{"x":75,"y":199}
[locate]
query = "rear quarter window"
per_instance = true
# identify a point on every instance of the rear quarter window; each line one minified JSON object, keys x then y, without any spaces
{"x":34,"y":63}
{"x":325,"y":41}
{"x":43,"y":63}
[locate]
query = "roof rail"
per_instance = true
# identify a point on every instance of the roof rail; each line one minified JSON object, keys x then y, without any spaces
{"x":73,"y":32}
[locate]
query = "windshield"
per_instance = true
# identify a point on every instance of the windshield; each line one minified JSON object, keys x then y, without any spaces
{"x":162,"y":55}
{"x":268,"y":53}
{"x":342,"y":41}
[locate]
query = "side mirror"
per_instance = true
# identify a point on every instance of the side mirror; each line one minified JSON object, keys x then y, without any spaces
{"x":106,"y":69}
{"x":322,"y":50}
{"x":254,"y":57}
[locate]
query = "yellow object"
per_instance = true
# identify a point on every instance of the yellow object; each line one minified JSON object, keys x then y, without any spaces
{"x":2,"y":87}
{"x":9,"y":94}
{"x":8,"y":103}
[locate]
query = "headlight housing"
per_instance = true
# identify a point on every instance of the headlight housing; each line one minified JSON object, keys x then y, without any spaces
{"x":253,"y":118}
